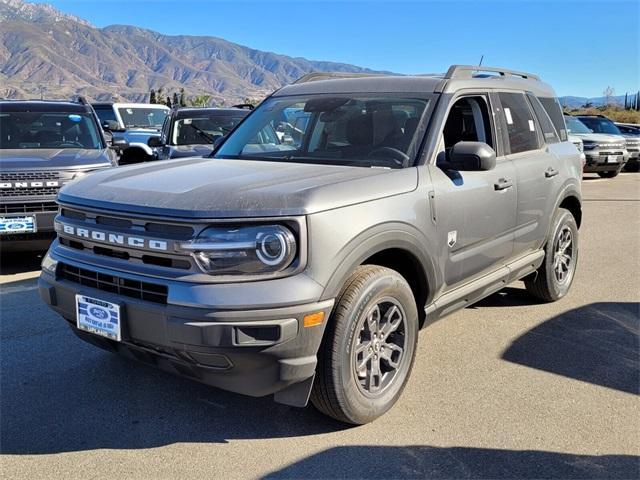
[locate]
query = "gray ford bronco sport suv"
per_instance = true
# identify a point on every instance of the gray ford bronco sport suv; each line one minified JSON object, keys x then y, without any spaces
{"x":305,"y":269}
{"x":43,"y":146}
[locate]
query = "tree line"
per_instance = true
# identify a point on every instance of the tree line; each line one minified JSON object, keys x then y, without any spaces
{"x":180,"y":99}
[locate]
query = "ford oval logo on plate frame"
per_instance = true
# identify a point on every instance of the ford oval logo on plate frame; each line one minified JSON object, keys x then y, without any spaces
{"x":98,"y":317}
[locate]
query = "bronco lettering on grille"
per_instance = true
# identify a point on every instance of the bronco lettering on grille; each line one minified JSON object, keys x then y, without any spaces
{"x":114,"y":238}
{"x":50,"y":183}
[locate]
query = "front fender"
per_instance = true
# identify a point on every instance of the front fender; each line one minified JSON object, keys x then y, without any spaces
{"x":375,"y":240}
{"x":142,"y":146}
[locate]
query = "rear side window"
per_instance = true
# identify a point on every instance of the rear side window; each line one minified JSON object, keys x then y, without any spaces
{"x":105,"y":114}
{"x":521,"y":125}
{"x":548,"y":130}
{"x":554,"y":110}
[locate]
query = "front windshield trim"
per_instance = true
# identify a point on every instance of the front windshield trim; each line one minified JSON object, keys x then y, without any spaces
{"x":418,"y":107}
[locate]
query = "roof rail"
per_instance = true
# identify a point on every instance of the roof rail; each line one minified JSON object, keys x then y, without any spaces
{"x":244,"y":105}
{"x":315,"y":76}
{"x":467,"y":71}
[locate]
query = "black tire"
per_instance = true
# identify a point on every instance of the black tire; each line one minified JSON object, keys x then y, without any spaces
{"x":609,"y":174}
{"x":632,"y":166}
{"x":340,"y":390}
{"x":545,"y":284}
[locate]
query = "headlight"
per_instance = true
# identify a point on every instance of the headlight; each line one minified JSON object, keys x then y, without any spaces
{"x":243,"y":250}
{"x":589,"y":145}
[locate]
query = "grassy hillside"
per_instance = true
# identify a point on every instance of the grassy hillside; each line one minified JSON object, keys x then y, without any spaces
{"x":617,"y":114}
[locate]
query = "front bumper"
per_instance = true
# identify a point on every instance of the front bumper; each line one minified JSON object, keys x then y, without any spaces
{"x":39,"y":240}
{"x":257,"y":351}
{"x":596,"y":161}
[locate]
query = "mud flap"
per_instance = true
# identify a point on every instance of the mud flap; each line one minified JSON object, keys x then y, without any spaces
{"x":296,"y":395}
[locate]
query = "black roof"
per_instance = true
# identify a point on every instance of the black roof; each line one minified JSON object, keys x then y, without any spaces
{"x":188,"y":112}
{"x":42,"y":106}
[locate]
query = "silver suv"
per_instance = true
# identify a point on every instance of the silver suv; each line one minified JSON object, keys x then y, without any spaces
{"x":605,"y":147}
{"x":305,"y":268}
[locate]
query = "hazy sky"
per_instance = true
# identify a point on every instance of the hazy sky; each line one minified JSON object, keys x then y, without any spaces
{"x":579,"y":47}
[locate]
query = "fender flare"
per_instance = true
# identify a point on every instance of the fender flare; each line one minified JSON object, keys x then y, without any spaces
{"x":142,"y":146}
{"x":377,"y":239}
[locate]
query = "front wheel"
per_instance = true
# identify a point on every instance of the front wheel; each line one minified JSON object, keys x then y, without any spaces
{"x":553,"y":279}
{"x":369,"y":347}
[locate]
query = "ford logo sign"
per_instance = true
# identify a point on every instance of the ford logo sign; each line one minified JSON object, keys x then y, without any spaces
{"x":99,"y":313}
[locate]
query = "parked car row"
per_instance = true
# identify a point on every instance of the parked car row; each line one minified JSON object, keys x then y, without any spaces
{"x":607,"y":149}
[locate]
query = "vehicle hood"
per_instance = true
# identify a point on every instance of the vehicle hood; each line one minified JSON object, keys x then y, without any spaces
{"x":220,"y":188}
{"x":599,"y":137}
{"x":52,"y":158}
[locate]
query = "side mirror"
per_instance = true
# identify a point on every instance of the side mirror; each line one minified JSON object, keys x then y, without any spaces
{"x":218,"y":141}
{"x":155,"y":142}
{"x":108,"y":137}
{"x":471,"y":156}
{"x":111,"y":125}
{"x":119,"y":144}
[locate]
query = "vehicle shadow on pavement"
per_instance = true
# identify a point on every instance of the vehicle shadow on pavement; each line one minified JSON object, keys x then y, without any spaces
{"x":59,"y":394}
{"x":383,"y":462}
{"x":507,"y":297}
{"x":596,"y":343}
{"x":20,"y":262}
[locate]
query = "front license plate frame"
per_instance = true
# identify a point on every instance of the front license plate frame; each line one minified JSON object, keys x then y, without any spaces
{"x":99,"y":317}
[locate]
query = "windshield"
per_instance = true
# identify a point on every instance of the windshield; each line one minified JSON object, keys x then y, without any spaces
{"x":28,"y":130}
{"x":105,"y":113}
{"x":355,"y":130}
{"x":576,"y":126}
{"x":203,"y":129}
{"x":600,"y":125}
{"x":143,"y":117}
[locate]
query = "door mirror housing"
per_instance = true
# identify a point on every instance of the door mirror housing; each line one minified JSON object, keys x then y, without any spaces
{"x":111,"y":126}
{"x":155,"y":142}
{"x":471,"y":156}
{"x":119,"y":144}
{"x":218,"y":141}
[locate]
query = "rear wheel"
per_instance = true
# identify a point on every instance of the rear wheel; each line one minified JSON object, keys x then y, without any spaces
{"x":369,"y":347}
{"x":554,"y":277}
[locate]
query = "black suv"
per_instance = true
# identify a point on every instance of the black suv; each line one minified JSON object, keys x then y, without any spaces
{"x":43,"y":146}
{"x":192,"y":132}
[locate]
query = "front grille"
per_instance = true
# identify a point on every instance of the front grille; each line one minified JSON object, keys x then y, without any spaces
{"x":611,"y":146}
{"x":147,"y":259}
{"x":38,"y":207}
{"x":131,"y":258}
{"x":28,"y":176}
{"x":149,"y":292}
{"x":29,"y":191}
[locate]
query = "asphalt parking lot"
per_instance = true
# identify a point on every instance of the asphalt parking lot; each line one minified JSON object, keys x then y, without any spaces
{"x":507,"y":388}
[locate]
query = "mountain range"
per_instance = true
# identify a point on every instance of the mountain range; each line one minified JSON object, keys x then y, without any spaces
{"x":45,"y":52}
{"x":51,"y":54}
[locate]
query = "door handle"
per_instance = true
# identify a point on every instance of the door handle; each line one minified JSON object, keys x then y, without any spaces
{"x":503,"y":183}
{"x":551,"y":172}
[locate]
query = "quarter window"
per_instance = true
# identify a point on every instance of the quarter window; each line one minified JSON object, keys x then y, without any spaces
{"x":548,"y":130}
{"x":554,"y":110}
{"x":521,"y":125}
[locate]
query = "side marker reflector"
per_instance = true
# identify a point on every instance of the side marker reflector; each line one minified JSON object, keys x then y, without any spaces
{"x":313,"y":319}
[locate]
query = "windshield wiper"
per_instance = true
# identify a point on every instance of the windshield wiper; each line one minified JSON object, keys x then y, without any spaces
{"x":202,"y":133}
